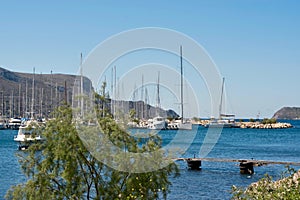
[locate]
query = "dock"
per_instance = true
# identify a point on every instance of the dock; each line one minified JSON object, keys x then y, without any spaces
{"x":246,"y":165}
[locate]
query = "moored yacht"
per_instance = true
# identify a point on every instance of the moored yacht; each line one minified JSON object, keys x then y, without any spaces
{"x":157,"y":123}
{"x":225,"y":120}
{"x":26,"y":134}
{"x":180,"y":124}
{"x":14,"y":123}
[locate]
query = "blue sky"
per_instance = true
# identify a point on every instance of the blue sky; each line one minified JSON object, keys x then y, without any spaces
{"x":254,"y":43}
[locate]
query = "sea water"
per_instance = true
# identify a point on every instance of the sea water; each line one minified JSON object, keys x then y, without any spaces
{"x":215,"y":179}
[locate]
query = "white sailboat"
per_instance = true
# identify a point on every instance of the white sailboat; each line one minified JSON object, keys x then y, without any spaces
{"x":182,"y":124}
{"x":158,"y":122}
{"x":26,"y":134}
{"x":26,"y":129}
{"x":224,"y":120}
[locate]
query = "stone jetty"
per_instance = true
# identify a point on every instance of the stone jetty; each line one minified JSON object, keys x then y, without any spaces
{"x":253,"y":125}
{"x":259,"y":125}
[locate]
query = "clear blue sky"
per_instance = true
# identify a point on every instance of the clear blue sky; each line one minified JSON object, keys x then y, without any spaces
{"x":255,"y":43}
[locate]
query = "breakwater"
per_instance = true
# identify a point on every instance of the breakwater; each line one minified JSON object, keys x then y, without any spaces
{"x":259,"y":125}
{"x":251,"y":125}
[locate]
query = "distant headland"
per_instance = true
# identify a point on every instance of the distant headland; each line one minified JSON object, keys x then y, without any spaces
{"x":291,"y":113}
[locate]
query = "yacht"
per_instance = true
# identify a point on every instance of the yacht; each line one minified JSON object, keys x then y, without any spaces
{"x":180,"y":125}
{"x":157,"y":123}
{"x":225,"y":120}
{"x":14,"y":123}
{"x":26,"y":134}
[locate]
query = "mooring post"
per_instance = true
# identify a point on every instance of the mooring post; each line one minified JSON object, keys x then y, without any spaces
{"x":246,"y":167}
{"x":193,"y":164}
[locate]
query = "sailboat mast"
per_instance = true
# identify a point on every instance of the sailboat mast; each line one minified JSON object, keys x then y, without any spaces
{"x":115,"y":91}
{"x":32,"y":99}
{"x":158,"y":97}
{"x":112,"y":92}
{"x":81,"y":86}
{"x":221,"y":101}
{"x":20,"y":100}
{"x":51,"y":95}
{"x":181,"y":84}
{"x":142,"y":96}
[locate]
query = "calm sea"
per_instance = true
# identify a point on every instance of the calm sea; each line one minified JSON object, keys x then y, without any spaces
{"x":215,"y":179}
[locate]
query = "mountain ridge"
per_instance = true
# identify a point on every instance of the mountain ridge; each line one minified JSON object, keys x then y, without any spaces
{"x":16,"y":94}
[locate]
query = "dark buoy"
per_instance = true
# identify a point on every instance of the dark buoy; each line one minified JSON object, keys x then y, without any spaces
{"x":246,"y":168}
{"x":193,"y":164}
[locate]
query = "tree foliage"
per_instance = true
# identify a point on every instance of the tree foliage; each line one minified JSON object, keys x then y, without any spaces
{"x":287,"y":187}
{"x":269,"y":121}
{"x":63,"y":168}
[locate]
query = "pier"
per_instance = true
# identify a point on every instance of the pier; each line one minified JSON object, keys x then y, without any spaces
{"x":246,"y":166}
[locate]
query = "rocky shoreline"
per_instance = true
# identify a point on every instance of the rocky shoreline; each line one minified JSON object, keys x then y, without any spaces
{"x":259,"y":125}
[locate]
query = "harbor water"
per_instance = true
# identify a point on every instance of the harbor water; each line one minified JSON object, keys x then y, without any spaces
{"x":215,"y":179}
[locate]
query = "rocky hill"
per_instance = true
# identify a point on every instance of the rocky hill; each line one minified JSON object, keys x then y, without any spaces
{"x":16,"y":94}
{"x":16,"y":91}
{"x":288,"y":113}
{"x":143,"y":111}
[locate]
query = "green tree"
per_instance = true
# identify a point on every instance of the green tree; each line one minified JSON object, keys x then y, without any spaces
{"x":252,"y":120}
{"x":287,"y":187}
{"x":63,"y":168}
{"x":269,"y":121}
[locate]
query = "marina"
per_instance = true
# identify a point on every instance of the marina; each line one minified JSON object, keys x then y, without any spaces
{"x":216,"y":176}
{"x":128,"y":100}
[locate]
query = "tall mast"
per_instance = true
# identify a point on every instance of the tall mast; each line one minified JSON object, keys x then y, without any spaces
{"x":51,"y":94}
{"x":2,"y":103}
{"x":32,"y":98}
{"x":158,"y":98}
{"x":115,"y":91}
{"x":81,"y":86}
{"x":142,"y":96}
{"x":135,"y":107}
{"x":112,"y":91}
{"x":19,"y":99}
{"x":56,"y":96}
{"x":146,"y":103}
{"x":12,"y":104}
{"x":41,"y":103}
{"x":26,"y":97}
{"x":66,"y":93}
{"x":181,"y":84}
{"x":221,"y":101}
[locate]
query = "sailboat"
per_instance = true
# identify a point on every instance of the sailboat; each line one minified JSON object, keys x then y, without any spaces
{"x":181,"y":124}
{"x":26,"y":133}
{"x":224,"y":120}
{"x":158,"y":122}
